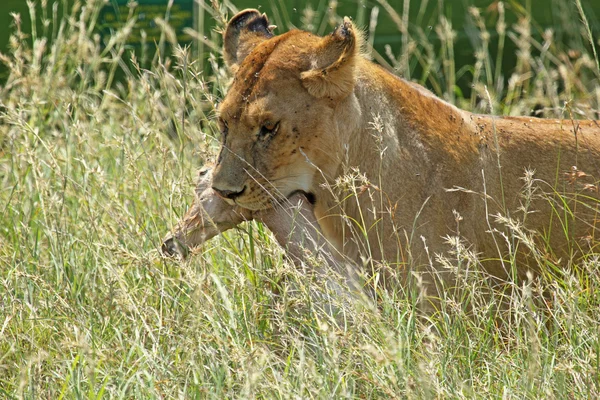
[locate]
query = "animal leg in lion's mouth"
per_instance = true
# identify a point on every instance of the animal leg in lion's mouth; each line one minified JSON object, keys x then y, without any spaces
{"x":208,"y":216}
{"x":172,"y":247}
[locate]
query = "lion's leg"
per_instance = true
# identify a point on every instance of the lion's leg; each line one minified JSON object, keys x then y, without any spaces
{"x":295,"y":227}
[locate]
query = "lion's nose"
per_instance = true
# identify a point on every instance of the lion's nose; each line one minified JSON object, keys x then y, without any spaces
{"x":229,"y":194}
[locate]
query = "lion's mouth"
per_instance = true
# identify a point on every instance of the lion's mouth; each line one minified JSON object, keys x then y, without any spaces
{"x":309,"y":196}
{"x":254,"y":206}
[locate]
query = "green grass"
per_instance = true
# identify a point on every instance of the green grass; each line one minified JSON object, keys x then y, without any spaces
{"x":94,"y":172}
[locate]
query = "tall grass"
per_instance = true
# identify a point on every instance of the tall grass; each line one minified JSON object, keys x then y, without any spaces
{"x":94,"y":170}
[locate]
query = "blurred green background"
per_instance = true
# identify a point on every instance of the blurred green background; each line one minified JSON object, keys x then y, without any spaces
{"x":375,"y":16}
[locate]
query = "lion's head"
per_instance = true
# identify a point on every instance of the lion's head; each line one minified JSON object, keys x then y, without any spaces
{"x":280,"y":120}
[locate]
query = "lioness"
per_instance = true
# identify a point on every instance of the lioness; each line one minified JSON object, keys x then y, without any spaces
{"x":390,"y":169}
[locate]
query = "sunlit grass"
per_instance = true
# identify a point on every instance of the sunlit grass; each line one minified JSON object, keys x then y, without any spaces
{"x":95,"y":170}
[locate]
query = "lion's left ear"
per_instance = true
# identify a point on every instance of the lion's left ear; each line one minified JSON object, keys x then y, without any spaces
{"x":333,"y":69}
{"x":244,"y":32}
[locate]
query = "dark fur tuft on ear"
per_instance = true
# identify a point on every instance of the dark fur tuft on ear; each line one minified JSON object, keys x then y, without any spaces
{"x":244,"y":32}
{"x":333,"y":73}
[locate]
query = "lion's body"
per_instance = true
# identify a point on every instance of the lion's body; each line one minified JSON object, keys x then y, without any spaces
{"x":430,"y":146}
{"x":303,"y":112}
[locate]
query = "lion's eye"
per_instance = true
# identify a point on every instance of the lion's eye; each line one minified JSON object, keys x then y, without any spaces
{"x":269,"y":128}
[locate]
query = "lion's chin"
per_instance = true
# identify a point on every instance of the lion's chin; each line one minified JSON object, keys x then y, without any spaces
{"x":253,"y":206}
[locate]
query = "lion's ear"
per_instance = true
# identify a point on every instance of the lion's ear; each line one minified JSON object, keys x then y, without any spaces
{"x":244,"y":32}
{"x":333,"y":70}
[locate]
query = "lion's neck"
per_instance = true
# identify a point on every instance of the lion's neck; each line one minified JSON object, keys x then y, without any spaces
{"x":406,"y":142}
{"x":404,"y":117}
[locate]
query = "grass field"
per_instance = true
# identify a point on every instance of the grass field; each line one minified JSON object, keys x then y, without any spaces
{"x":95,"y":170}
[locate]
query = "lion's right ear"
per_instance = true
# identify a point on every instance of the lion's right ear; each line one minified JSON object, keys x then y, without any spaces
{"x":333,"y":71}
{"x":244,"y":32}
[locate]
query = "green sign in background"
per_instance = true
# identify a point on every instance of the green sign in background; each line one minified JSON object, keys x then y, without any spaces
{"x":180,"y":16}
{"x":186,"y":14}
{"x":183,"y":11}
